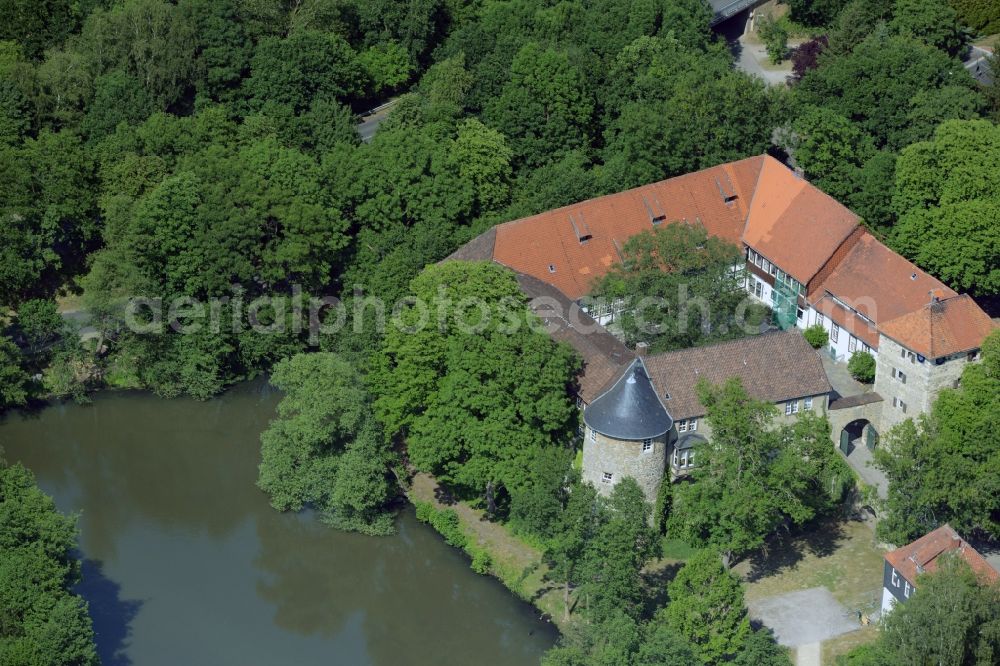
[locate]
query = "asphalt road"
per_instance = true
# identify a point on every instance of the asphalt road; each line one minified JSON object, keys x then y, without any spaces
{"x":979,"y":66}
{"x":370,"y":122}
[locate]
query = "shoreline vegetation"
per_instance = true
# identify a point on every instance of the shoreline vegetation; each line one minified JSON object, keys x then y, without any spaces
{"x":491,"y":547}
{"x":206,"y":152}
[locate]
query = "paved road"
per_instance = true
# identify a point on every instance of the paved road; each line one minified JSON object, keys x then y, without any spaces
{"x":804,"y":617}
{"x":810,"y":654}
{"x":979,"y":66}
{"x":370,"y":122}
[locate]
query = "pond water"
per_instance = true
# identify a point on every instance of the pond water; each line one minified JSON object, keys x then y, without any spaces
{"x":185,"y":562}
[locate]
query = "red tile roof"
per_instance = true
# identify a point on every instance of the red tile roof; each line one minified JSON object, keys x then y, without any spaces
{"x":548,"y":245}
{"x":922,"y":555}
{"x":761,"y":202}
{"x":794,"y":224}
{"x":879,"y":283}
{"x":941,"y":328}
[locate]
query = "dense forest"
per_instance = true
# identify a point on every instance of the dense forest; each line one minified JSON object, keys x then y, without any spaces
{"x":205,"y":151}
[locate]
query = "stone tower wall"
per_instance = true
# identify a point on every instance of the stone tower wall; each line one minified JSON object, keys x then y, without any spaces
{"x":923,"y":381}
{"x":623,"y":458}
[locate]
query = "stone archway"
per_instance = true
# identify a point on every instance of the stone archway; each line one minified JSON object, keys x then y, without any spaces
{"x":858,"y":433}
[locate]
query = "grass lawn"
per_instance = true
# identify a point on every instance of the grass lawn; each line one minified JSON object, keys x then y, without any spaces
{"x":841,"y":556}
{"x":676,"y":550}
{"x":990,"y":42}
{"x":517,"y":564}
{"x":841,"y":645}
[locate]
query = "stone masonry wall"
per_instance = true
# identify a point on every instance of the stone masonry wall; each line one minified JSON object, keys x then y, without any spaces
{"x":623,"y":459}
{"x":923,"y":382}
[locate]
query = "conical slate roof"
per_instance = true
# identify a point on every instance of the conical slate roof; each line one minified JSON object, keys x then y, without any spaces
{"x":630,"y":409}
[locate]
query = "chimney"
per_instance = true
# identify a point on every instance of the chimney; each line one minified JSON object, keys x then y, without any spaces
{"x":641,"y":348}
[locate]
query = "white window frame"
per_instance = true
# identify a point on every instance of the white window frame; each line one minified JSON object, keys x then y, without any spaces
{"x":607,"y":477}
{"x":852,"y":344}
{"x":895,"y":578}
{"x":593,"y":435}
{"x":834,"y":332}
{"x":647,"y":446}
{"x":690,"y":458}
{"x":788,"y":409}
{"x":795,"y":407}
{"x":692,"y":424}
{"x":807,"y":404}
{"x":682,"y":426}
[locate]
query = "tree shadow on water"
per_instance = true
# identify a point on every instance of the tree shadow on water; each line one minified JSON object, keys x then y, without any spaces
{"x":112,"y":616}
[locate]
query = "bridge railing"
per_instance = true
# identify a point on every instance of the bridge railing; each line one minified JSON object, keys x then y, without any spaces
{"x":732,"y":9}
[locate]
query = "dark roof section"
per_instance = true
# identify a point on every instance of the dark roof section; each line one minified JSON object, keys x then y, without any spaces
{"x":479,"y":248}
{"x":630,"y":409}
{"x":604,"y":356}
{"x":774,"y":367}
{"x":689,"y":441}
{"x":854,"y":401}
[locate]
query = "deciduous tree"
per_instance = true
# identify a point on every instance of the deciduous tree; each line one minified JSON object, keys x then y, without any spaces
{"x":948,"y":202}
{"x":706,"y":606}
{"x":13,"y":379}
{"x":545,"y":109}
{"x":41,"y":621}
{"x":950,"y":619}
{"x":941,"y":467}
{"x":755,"y":475}
{"x":883,"y":79}
{"x":470,"y":385}
{"x":324,"y":448}
{"x":678,"y":288}
{"x":934,"y":23}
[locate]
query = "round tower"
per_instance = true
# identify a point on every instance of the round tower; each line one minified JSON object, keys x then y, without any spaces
{"x":627,"y":431}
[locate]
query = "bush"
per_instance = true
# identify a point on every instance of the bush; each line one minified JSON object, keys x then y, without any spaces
{"x":445,"y":522}
{"x":774,"y":34}
{"x":862,"y":367}
{"x":817,"y":336}
{"x":481,"y":560}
